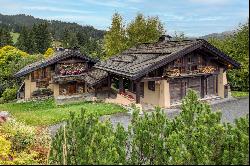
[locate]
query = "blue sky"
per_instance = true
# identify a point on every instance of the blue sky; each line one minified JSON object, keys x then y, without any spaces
{"x":193,"y":17}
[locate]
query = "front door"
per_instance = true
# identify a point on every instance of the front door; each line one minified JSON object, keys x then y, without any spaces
{"x":211,"y":85}
{"x":72,"y":88}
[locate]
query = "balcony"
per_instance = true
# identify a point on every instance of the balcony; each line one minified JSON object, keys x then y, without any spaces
{"x":201,"y":70}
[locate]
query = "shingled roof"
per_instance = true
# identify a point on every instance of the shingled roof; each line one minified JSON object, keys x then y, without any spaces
{"x":92,"y":77}
{"x":139,"y":60}
{"x":60,"y":55}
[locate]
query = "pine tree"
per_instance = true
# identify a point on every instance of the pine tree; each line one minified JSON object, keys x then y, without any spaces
{"x":73,"y":42}
{"x":70,"y":39}
{"x":140,"y":30}
{"x":66,"y":36}
{"x":82,"y":38}
{"x":5,"y":37}
{"x":42,"y":37}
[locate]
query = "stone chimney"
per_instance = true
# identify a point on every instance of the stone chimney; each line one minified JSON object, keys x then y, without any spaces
{"x":164,"y":38}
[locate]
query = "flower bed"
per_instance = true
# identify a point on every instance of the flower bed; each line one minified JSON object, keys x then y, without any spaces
{"x":72,"y":69}
{"x":128,"y":96}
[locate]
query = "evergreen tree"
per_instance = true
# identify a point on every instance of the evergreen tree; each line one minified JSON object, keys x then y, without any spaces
{"x":25,"y":41}
{"x":42,"y":37}
{"x":73,"y":42}
{"x":81,"y":38}
{"x":69,"y":39}
{"x":66,"y":36}
{"x":140,"y":30}
{"x":115,"y":39}
{"x":5,"y":37}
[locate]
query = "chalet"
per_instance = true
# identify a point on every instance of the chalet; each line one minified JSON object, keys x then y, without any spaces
{"x":67,"y":73}
{"x":161,"y":73}
{"x":158,"y":73}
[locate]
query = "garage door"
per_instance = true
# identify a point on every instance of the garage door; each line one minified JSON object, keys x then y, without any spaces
{"x":179,"y":87}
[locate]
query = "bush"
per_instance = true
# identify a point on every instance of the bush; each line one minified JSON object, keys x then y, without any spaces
{"x":7,"y":157}
{"x":21,"y":136}
{"x":9,"y":94}
{"x":87,"y":140}
{"x":22,"y":144}
{"x":49,"y":53}
{"x":194,"y":137}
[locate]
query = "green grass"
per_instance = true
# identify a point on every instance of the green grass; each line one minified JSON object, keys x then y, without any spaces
{"x":14,"y":36}
{"x":43,"y":113}
{"x":239,"y":94}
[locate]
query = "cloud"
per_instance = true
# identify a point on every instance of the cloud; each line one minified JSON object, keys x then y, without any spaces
{"x":210,"y":2}
{"x":108,"y":3}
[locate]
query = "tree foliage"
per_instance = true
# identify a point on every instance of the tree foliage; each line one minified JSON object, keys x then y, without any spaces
{"x":237,"y":46}
{"x":140,"y":30}
{"x":115,"y":39}
{"x":194,"y":137}
{"x":42,"y":37}
{"x":144,"y":30}
{"x":11,"y":61}
{"x":5,"y":37}
{"x":49,"y":53}
{"x":25,"y":41}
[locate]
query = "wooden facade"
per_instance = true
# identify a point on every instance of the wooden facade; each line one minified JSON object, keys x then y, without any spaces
{"x":168,"y":69}
{"x":66,"y":73}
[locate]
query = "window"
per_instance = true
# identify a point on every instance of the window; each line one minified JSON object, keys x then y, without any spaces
{"x":151,"y":85}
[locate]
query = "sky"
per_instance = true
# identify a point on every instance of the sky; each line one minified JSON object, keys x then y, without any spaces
{"x":192,"y":17}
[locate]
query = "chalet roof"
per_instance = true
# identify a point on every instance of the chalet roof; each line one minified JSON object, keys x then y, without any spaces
{"x":60,"y":55}
{"x":91,"y":77}
{"x":141,"y":59}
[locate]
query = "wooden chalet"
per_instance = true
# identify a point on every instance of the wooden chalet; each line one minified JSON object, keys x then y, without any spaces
{"x":66,"y":73}
{"x":161,"y":73}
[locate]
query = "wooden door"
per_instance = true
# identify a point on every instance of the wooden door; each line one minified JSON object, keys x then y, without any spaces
{"x":211,"y":85}
{"x":72,"y":88}
{"x":175,"y":88}
{"x":195,"y":84}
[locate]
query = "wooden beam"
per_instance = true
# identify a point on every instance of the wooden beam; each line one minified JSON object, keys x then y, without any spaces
{"x":202,"y":87}
{"x":121,"y":87}
{"x":109,"y":85}
{"x":95,"y":91}
{"x":145,"y":79}
{"x":138,"y":91}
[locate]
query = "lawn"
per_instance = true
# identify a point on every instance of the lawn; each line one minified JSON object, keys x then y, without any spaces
{"x":238,"y":94}
{"x":43,"y":113}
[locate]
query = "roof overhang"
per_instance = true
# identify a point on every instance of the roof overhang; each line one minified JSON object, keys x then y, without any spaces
{"x":200,"y":44}
{"x":64,"y":55}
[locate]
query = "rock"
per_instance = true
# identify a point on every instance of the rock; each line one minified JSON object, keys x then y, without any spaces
{"x":4,"y":116}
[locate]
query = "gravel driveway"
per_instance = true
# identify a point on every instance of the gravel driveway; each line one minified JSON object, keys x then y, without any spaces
{"x":231,"y":109}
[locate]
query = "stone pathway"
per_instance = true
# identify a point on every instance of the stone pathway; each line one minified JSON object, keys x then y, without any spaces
{"x":231,"y":109}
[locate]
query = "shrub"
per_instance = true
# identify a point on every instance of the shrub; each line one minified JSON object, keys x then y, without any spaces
{"x":87,"y":140}
{"x":196,"y":136}
{"x":9,"y":94}
{"x":21,"y":136}
{"x":49,"y":53}
{"x":7,"y":157}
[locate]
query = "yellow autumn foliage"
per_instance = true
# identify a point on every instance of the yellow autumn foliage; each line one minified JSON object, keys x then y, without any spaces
{"x":9,"y":52}
{"x":49,"y":53}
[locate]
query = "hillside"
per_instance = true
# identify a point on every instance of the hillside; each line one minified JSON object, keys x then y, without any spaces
{"x":15,"y":22}
{"x":221,"y":35}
